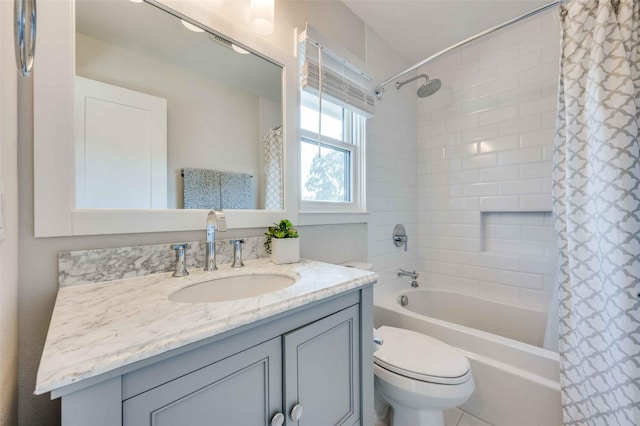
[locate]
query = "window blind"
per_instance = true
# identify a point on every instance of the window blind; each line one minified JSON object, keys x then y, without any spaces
{"x":341,"y":81}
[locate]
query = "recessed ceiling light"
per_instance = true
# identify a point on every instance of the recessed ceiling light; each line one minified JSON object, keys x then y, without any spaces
{"x":240,"y":50}
{"x":191,"y":27}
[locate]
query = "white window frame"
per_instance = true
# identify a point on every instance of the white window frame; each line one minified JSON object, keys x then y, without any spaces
{"x":356,"y":132}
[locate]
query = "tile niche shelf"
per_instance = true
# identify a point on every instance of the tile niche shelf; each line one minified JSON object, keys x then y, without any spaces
{"x":517,"y":232}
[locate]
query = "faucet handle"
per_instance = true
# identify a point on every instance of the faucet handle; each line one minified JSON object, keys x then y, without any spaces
{"x":237,"y":253}
{"x":181,"y":263}
{"x":400,"y":237}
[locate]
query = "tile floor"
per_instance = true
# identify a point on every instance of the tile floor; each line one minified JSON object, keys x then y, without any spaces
{"x":457,"y":417}
{"x":454,"y":417}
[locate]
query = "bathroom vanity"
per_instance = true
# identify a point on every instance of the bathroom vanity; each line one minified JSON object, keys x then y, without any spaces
{"x":122,"y":352}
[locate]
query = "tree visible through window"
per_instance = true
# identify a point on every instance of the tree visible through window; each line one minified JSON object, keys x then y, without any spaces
{"x":327,"y":175}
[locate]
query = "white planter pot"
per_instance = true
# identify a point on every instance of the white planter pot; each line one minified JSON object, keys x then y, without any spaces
{"x":285,"y":250}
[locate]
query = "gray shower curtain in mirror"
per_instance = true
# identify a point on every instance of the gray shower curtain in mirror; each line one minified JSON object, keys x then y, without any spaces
{"x":596,"y":204}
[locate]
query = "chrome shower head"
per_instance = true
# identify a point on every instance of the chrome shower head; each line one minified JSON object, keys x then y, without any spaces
{"x":427,"y":89}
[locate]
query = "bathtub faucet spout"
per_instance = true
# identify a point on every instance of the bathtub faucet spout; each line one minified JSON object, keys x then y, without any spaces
{"x":413,"y":275}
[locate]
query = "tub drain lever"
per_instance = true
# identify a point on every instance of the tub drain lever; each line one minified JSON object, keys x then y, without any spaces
{"x":403,"y":300}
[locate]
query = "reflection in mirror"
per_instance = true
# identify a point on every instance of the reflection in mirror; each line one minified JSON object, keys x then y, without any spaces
{"x":168,"y":116}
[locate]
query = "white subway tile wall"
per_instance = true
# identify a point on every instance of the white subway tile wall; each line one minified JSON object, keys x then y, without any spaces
{"x":485,"y":143}
{"x":392,"y":194}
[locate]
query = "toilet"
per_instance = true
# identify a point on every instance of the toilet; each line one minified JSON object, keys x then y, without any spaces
{"x":419,"y":377}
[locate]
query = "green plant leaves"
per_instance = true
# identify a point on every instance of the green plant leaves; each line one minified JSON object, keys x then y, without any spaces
{"x":284,"y":229}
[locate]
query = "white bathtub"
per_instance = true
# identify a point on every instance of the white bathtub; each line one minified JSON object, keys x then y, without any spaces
{"x":517,"y":382}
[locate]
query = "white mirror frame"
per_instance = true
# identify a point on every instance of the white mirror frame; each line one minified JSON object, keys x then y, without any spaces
{"x":54,"y":177}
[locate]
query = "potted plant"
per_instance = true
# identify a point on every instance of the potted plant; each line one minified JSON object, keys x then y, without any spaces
{"x":282,"y":243}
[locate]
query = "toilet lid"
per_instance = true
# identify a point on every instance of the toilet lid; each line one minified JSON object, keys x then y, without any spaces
{"x":420,"y":357}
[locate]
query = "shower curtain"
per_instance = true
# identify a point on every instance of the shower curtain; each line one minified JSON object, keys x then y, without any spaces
{"x":596,"y":205}
{"x":273,"y":163}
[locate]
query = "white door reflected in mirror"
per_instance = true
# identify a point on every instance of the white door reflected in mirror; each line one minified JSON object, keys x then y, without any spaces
{"x":121,"y":147}
{"x":222,"y":108}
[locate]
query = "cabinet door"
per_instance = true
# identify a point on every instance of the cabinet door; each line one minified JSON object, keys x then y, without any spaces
{"x":243,"y":389}
{"x":322,"y":370}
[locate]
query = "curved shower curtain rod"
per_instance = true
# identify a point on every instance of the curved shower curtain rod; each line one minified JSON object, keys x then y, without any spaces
{"x":380,"y":87}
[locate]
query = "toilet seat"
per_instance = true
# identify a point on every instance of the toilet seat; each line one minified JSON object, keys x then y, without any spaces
{"x":416,"y":356}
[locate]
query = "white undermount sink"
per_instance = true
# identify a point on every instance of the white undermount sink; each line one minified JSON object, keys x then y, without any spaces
{"x":232,"y":288}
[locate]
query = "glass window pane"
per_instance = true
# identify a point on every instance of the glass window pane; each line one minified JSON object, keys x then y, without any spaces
{"x":325,"y":177}
{"x":332,"y":119}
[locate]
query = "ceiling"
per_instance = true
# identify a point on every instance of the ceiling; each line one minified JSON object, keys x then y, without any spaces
{"x":154,"y":33}
{"x":420,"y":28}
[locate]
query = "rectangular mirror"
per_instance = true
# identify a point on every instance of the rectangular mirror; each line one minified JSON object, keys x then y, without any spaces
{"x":153,"y":118}
{"x":170,"y":116}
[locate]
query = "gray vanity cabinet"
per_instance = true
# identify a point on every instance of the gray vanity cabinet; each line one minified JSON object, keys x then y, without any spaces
{"x":244,"y":389}
{"x":321,"y":377}
{"x":321,"y":371}
{"x":309,"y":367}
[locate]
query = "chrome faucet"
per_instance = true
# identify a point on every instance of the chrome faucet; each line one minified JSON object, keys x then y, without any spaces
{"x":413,"y":275}
{"x":215,"y":222}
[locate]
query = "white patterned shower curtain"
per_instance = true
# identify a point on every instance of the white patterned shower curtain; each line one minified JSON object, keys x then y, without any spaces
{"x":273,"y":163}
{"x":596,"y":205}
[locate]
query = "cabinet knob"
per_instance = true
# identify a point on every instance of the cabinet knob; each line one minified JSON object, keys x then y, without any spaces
{"x":277,"y":420}
{"x":296,"y":412}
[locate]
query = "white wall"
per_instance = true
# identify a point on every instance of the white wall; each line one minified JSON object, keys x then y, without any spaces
{"x":485,"y":143}
{"x":8,"y":247}
{"x":209,"y":125}
{"x":331,"y":17}
{"x":392,"y":195}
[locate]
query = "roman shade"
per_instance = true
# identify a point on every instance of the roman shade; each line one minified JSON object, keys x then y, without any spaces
{"x":342,"y":81}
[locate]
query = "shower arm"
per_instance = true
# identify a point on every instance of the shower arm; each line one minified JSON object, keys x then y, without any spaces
{"x":379,"y":90}
{"x":399,"y":84}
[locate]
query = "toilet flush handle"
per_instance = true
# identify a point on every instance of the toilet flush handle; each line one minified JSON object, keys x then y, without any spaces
{"x":378,"y":341}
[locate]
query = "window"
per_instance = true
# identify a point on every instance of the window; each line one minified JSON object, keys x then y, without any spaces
{"x":331,"y":170}
{"x":335,"y":101}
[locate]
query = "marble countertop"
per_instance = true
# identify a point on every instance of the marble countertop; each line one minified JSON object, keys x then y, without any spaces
{"x":96,"y":328}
